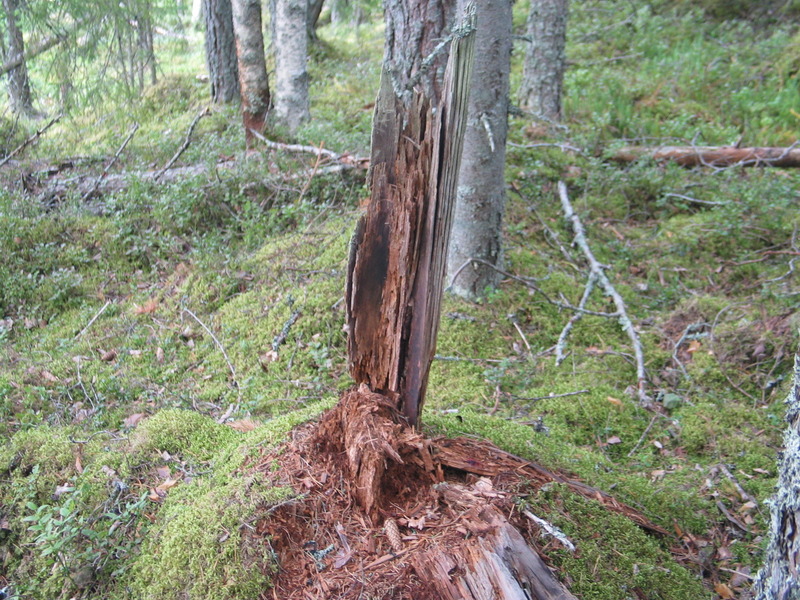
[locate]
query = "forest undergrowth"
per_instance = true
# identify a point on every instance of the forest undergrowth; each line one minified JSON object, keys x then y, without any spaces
{"x":158,"y":341}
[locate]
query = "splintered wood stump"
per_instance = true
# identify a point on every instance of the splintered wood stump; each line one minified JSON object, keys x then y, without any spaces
{"x":398,"y":254}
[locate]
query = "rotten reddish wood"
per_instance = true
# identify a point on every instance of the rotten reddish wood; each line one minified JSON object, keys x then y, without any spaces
{"x":713,"y":156}
{"x":494,"y":562}
{"x":399,"y":252}
{"x":485,"y":459}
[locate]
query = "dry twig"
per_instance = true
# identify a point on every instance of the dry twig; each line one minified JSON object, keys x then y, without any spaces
{"x":220,"y":346}
{"x":187,"y":140}
{"x":597,"y":275}
{"x":111,"y":163}
{"x":30,"y":140}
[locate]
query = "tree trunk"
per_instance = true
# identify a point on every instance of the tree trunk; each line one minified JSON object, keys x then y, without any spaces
{"x":338,"y":10}
{"x":253,"y":80}
{"x":399,"y":252}
{"x":477,"y":225}
{"x":147,"y":55}
{"x":779,"y":578}
{"x":545,"y":60}
{"x":712,"y":156}
{"x":414,"y":28}
{"x":314,"y":11}
{"x":223,"y":71}
{"x":19,"y":87}
{"x":291,"y":56}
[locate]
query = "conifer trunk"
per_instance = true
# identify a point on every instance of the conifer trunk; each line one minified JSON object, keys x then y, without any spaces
{"x":253,"y":81}
{"x":220,"y":44}
{"x":19,"y":87}
{"x":545,"y":60}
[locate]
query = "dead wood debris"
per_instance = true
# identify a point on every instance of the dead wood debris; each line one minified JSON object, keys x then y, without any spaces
{"x":416,"y":512}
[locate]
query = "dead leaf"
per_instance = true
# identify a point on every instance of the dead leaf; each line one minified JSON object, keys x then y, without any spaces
{"x":615,"y":401}
{"x":266,"y":358}
{"x":658,"y":444}
{"x":48,"y":376}
{"x":614,"y":439}
{"x":108,"y":356}
{"x":133,"y":420}
{"x":163,"y":472}
{"x":147,"y":308}
{"x":168,"y":484}
{"x":157,"y":495}
{"x":78,"y":464}
{"x":694,"y":346}
{"x":243,"y":425}
{"x":657,"y":475}
{"x":62,"y":489}
{"x":159,"y":355}
{"x":724,"y":591}
{"x":761,"y":471}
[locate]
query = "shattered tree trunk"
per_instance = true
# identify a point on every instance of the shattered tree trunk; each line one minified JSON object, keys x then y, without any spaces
{"x":394,"y":290}
{"x":779,"y":578}
{"x":712,"y":156}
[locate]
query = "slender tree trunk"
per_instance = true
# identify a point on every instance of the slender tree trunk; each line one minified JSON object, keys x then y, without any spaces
{"x":338,"y":10}
{"x":291,"y":56}
{"x":414,"y":28}
{"x":253,"y":80}
{"x":223,"y":71}
{"x":779,"y":578}
{"x":477,"y":225}
{"x":147,"y":55}
{"x":19,"y":87}
{"x":314,"y":10}
{"x":543,"y":71}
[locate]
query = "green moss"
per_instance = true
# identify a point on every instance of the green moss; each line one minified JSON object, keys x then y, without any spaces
{"x":615,"y":559}
{"x":183,"y":433}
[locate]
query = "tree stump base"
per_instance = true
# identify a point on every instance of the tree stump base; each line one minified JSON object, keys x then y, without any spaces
{"x":381,"y":511}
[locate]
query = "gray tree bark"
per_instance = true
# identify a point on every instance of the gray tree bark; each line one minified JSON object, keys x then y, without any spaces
{"x":414,"y":28}
{"x":779,"y":578}
{"x":291,"y":56}
{"x":223,"y":71}
{"x":477,"y":224}
{"x":19,"y":87}
{"x":314,"y":10}
{"x":253,"y":81}
{"x":545,"y":60}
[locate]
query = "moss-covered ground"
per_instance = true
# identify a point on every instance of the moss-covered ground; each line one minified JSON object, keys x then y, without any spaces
{"x":130,"y":325}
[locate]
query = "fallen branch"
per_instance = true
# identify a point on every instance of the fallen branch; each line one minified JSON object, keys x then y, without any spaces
{"x":220,"y":346}
{"x":597,"y":275}
{"x":111,"y":163}
{"x":346,"y":158}
{"x":93,"y":319}
{"x":39,"y":133}
{"x":203,"y":113}
{"x":713,"y":156}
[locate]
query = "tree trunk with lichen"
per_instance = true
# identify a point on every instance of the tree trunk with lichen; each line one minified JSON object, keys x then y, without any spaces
{"x":545,"y":60}
{"x":477,"y":225}
{"x":253,"y":81}
{"x":414,"y":30}
{"x":220,"y":45}
{"x":291,"y":55}
{"x":779,"y":578}
{"x":19,"y":87}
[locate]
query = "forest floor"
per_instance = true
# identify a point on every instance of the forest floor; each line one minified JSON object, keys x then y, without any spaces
{"x":162,"y":346}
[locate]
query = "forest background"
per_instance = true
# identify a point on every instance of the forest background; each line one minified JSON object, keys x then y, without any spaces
{"x":157,"y":338}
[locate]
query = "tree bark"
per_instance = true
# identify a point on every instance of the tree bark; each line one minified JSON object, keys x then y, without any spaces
{"x":545,"y":60}
{"x":414,"y":28}
{"x":19,"y":87}
{"x":291,"y":56}
{"x":314,"y":11}
{"x":712,"y":156}
{"x":223,"y":71}
{"x":477,"y":225}
{"x":779,"y":578}
{"x":253,"y":81}
{"x":399,"y":252}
